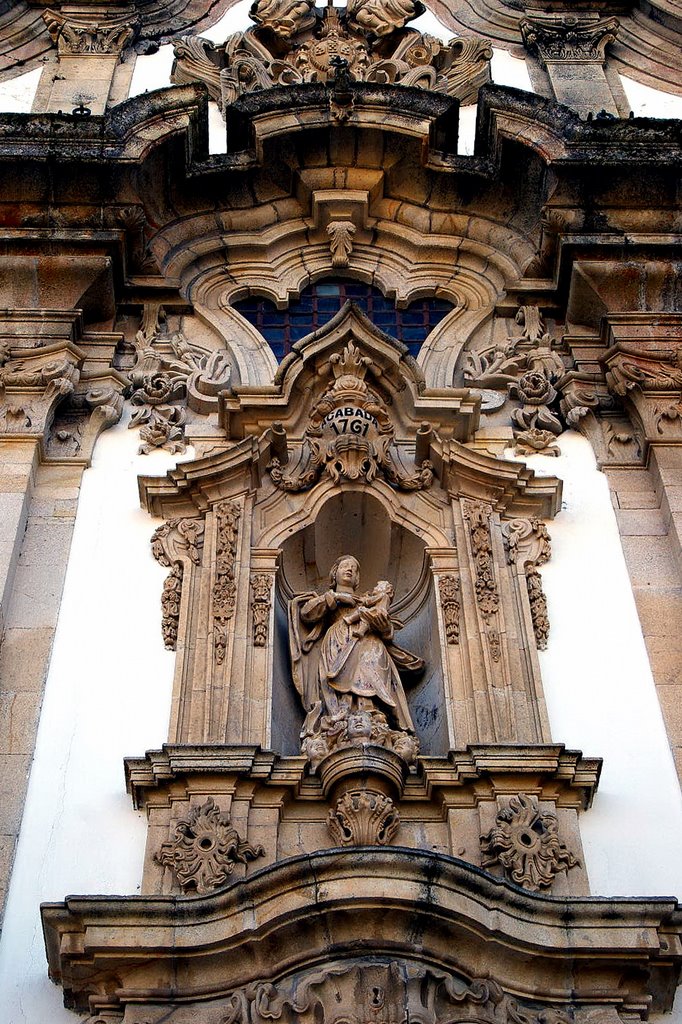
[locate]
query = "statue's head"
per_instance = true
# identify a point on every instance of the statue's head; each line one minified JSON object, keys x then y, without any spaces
{"x":285,"y":18}
{"x":345,"y":573}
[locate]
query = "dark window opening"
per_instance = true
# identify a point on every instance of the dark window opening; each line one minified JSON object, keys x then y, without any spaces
{"x":319,"y":302}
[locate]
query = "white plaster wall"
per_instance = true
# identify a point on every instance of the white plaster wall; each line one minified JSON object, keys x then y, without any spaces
{"x":600,"y":692}
{"x":17,"y":94}
{"x":107,"y":696}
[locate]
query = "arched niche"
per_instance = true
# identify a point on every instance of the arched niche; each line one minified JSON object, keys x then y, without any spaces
{"x":356,"y":522}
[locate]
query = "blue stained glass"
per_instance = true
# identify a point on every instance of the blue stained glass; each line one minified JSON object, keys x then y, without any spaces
{"x":327,"y":288}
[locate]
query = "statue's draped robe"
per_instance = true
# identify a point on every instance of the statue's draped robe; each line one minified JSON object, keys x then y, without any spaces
{"x":328,"y":660}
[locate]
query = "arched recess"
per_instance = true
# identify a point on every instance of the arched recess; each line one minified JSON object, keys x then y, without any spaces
{"x":390,"y":542}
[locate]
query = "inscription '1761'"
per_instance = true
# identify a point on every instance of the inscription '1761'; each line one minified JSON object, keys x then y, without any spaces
{"x":350,"y":420}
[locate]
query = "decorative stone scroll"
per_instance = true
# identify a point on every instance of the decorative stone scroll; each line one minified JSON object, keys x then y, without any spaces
{"x":224,"y":587}
{"x":350,"y":435}
{"x":170,"y":542}
{"x":205,"y":849}
{"x":526,"y":843}
{"x":529,"y":546}
{"x":367,"y":41}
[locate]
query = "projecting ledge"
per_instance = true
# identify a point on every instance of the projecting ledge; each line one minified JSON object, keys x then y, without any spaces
{"x":412,"y":909}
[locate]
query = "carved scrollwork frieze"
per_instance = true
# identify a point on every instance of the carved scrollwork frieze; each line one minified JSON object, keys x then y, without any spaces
{"x":204,"y":850}
{"x":224,"y":585}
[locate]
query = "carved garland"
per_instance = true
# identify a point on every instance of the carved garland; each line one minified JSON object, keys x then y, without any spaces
{"x":224,"y":586}
{"x":528,"y":544}
{"x":261,"y":586}
{"x":448,"y":587}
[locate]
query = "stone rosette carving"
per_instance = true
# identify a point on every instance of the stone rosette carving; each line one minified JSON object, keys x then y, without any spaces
{"x":363,"y":817}
{"x":204,"y":850}
{"x":525,"y":841}
{"x":261,"y":603}
{"x":448,"y":589}
{"x":350,"y":435}
{"x":227,"y":515}
{"x":171,"y":542}
{"x":293,"y":43}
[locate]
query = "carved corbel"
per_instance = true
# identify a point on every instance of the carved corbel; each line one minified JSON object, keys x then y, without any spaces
{"x":588,"y":407}
{"x":529,"y":547}
{"x":33,"y":383}
{"x":95,"y":406}
{"x":175,"y":543}
{"x":649,"y":379}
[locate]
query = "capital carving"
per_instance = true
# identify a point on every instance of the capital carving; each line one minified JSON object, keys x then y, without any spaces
{"x":526,"y":843}
{"x":78,"y":36}
{"x":204,"y":850}
{"x":568,"y":37}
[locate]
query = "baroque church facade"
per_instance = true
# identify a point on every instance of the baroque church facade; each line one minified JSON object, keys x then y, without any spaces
{"x":341,"y":478}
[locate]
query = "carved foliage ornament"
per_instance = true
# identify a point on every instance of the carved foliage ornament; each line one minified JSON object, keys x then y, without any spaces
{"x":224,"y":586}
{"x":261,"y":590}
{"x":205,"y":849}
{"x":349,"y":435}
{"x":529,"y":546}
{"x":81,"y":36}
{"x":363,"y":818}
{"x":527,"y":367}
{"x":294,"y":43}
{"x":448,"y":587}
{"x":168,"y":372}
{"x":526,"y":843}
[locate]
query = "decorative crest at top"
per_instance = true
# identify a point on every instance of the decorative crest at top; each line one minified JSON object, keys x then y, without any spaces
{"x":294,"y":42}
{"x":349,"y":434}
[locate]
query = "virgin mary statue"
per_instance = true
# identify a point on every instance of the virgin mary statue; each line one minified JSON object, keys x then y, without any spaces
{"x":346,"y":666}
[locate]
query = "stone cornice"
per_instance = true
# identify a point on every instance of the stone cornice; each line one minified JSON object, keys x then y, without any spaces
{"x":461,"y":772}
{"x":107,"y":952}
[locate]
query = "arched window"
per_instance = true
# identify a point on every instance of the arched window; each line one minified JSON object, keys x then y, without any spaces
{"x":320,"y":301}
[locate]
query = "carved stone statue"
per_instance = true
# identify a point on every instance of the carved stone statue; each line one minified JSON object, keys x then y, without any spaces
{"x":346,"y":667}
